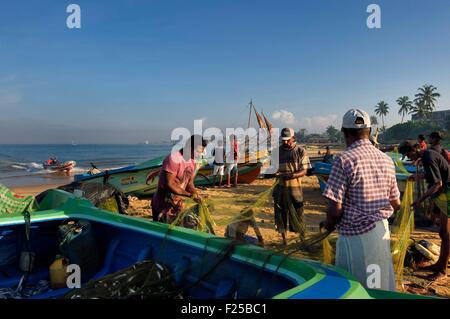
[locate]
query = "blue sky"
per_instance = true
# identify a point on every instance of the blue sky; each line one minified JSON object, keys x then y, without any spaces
{"x":138,"y":69}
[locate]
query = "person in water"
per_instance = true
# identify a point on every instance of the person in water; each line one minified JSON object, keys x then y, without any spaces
{"x":437,"y":175}
{"x":176,"y":181}
{"x":362,"y":192}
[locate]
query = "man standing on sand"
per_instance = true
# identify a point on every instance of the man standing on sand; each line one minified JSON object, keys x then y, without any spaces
{"x":232,"y":158}
{"x":363,"y":194}
{"x":219,"y":159}
{"x":437,"y":175}
{"x":293,"y":165}
{"x":176,"y":180}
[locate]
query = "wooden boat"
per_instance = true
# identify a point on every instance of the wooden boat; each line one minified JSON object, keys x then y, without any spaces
{"x":142,"y":180}
{"x":322,"y":171}
{"x":204,"y":265}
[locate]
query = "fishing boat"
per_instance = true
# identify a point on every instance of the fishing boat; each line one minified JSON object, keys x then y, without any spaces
{"x":60,"y":166}
{"x":142,"y":180}
{"x":203,"y":265}
{"x":322,"y":171}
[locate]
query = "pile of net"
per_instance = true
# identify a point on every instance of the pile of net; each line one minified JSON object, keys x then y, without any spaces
{"x":143,"y":280}
{"x":102,"y":195}
{"x":11,"y":203}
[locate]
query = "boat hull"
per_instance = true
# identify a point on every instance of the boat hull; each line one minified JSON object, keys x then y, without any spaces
{"x":246,"y":271}
{"x":63,"y":167}
{"x":142,"y":182}
{"x":322,"y":171}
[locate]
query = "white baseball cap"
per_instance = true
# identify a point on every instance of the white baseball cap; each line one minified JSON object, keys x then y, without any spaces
{"x":356,"y":118}
{"x":287,"y":133}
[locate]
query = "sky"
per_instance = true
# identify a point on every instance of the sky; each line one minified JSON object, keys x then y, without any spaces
{"x":138,"y":69}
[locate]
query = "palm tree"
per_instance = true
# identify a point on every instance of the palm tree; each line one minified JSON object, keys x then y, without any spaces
{"x":420,"y":109}
{"x":382,"y":109}
{"x":426,"y":99}
{"x":405,"y":106}
{"x":374,"y":120}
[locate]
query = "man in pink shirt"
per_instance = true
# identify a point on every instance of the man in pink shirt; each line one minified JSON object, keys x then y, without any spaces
{"x":176,"y":180}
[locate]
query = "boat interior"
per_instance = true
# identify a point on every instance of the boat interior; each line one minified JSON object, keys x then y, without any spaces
{"x":205,"y":273}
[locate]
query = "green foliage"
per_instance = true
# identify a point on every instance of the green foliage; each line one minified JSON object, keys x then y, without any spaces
{"x":405,"y":106}
{"x":382,"y":109}
{"x":409,"y":130}
{"x":334,"y":134}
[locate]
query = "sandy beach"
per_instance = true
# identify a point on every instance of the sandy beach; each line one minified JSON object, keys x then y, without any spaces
{"x":229,"y":200}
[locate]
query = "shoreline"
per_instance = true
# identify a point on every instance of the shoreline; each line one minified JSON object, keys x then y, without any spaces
{"x":33,"y":190}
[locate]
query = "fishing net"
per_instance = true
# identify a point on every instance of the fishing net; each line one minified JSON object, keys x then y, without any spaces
{"x":327,"y":251}
{"x":143,"y":280}
{"x":11,"y":203}
{"x":241,"y":212}
{"x":443,"y":202}
{"x":402,"y":229}
{"x":102,"y":195}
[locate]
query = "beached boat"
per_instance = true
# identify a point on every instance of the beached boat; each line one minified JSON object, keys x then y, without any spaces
{"x":59,"y":166}
{"x":142,"y":180}
{"x":322,"y":171}
{"x":204,"y":265}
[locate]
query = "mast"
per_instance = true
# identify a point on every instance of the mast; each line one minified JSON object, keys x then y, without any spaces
{"x":250,"y":112}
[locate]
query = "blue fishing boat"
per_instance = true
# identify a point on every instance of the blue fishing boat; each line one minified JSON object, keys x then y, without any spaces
{"x":205,"y":265}
{"x":322,"y":171}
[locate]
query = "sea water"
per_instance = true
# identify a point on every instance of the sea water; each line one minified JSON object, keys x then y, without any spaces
{"x":21,"y":165}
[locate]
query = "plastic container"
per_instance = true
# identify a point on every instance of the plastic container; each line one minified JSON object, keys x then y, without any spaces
{"x":58,"y":273}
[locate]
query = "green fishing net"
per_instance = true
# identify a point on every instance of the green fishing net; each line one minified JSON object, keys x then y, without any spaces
{"x":11,"y":203}
{"x":401,"y":231}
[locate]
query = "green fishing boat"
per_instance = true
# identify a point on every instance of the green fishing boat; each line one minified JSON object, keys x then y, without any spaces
{"x":203,"y":265}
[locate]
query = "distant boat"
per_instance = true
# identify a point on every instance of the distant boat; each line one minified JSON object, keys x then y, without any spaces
{"x":73,"y":143}
{"x":146,"y":142}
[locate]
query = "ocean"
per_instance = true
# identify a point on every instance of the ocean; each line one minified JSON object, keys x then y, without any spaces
{"x":21,"y":165}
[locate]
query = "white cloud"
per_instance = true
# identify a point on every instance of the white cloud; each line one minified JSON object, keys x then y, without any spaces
{"x":314,"y":124}
{"x":284,"y":117}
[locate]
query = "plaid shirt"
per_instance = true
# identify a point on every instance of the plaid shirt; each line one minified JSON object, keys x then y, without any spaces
{"x":363,"y":180}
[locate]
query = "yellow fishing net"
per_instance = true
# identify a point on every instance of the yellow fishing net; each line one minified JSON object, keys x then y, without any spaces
{"x":401,"y":231}
{"x":443,"y":202}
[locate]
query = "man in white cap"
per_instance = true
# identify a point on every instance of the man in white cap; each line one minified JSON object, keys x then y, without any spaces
{"x":293,"y":165}
{"x":363,"y":193}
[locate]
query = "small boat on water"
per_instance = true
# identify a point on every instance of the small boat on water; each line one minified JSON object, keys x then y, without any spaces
{"x":202,"y":265}
{"x":59,"y":166}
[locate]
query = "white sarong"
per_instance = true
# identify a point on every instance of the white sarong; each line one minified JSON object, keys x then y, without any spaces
{"x":356,"y":253}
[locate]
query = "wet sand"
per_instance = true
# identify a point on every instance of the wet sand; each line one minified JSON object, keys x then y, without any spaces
{"x":229,"y":201}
